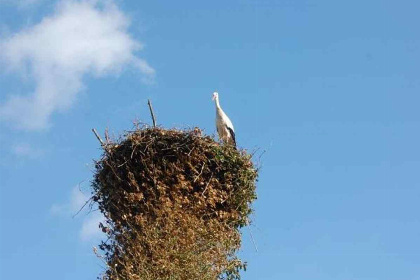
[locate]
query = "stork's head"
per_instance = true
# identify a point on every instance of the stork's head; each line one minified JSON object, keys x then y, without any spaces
{"x":215,"y":96}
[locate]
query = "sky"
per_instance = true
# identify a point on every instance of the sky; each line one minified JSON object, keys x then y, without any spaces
{"x":327,"y":91}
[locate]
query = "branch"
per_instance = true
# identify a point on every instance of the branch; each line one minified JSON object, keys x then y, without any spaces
{"x":151,"y":112}
{"x":80,"y":210}
{"x":107,"y":136}
{"x":98,"y":137}
{"x":211,"y":177}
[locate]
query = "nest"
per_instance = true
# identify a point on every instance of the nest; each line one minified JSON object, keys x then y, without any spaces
{"x":174,"y":202}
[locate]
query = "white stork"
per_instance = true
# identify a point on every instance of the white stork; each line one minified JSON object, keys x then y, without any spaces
{"x":223,"y":124}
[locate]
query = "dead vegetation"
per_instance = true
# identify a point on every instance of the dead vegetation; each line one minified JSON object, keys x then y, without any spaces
{"x":174,"y":203}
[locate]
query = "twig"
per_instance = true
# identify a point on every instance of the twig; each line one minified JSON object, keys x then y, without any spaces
{"x":151,"y":112}
{"x":98,"y":137}
{"x":122,"y":164}
{"x":211,"y":177}
{"x":263,"y":152}
{"x":191,"y":151}
{"x":253,"y":241}
{"x":198,"y":176}
{"x":113,"y":171}
{"x":132,"y":153}
{"x":80,"y":210}
{"x":107,"y":136}
{"x":95,"y":251}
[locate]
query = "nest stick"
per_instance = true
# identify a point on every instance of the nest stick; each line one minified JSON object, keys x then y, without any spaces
{"x":151,"y":112}
{"x":107,"y":136}
{"x":98,"y":137}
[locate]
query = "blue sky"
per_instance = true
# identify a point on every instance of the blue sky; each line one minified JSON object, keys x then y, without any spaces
{"x":330,"y":89}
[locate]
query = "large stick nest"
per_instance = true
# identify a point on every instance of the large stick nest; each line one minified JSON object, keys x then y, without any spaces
{"x":174,"y":203}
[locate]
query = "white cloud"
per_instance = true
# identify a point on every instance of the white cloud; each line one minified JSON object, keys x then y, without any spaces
{"x":25,"y":150}
{"x":80,"y":38}
{"x":76,"y":201}
{"x":90,"y":228}
{"x":90,"y":225}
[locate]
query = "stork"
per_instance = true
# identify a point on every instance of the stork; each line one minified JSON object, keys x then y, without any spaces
{"x":223,"y":124}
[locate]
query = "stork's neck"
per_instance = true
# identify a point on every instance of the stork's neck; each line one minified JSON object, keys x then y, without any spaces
{"x":217,"y":103}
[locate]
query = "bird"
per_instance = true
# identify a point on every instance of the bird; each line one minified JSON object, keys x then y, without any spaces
{"x":224,"y":124}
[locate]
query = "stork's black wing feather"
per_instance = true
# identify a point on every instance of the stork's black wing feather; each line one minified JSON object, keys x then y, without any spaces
{"x":232,"y":134}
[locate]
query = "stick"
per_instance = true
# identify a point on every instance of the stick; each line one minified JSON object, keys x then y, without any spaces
{"x":98,"y":137}
{"x":107,"y":136}
{"x":253,"y":241}
{"x":151,"y":112}
{"x":205,"y":189}
{"x":198,"y":176}
{"x":80,"y":210}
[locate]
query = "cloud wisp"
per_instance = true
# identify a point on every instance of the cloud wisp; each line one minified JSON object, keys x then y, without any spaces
{"x":90,"y":224}
{"x":80,"y":38}
{"x":75,"y":203}
{"x":25,"y":150}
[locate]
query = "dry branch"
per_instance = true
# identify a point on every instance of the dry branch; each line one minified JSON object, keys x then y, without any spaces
{"x":98,"y":137}
{"x":151,"y":112}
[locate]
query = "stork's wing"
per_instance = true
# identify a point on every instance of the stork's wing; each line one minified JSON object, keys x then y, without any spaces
{"x":232,"y":134}
{"x":218,"y":131}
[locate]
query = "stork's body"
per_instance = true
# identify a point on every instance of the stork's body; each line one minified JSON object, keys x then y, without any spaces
{"x":223,"y":124}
